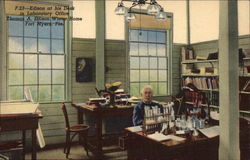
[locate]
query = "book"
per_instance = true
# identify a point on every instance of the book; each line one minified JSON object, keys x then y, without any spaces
{"x":246,"y":87}
{"x":201,"y":58}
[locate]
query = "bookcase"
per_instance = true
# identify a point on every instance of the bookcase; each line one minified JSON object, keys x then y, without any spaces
{"x":244,"y":86}
{"x":203,"y":73}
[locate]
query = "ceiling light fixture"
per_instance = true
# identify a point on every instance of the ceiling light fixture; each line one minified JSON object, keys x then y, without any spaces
{"x":153,"y":9}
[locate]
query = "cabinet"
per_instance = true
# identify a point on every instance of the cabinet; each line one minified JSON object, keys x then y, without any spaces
{"x":204,"y":75}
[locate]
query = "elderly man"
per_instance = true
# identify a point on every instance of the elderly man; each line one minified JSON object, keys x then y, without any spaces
{"x":138,"y":113}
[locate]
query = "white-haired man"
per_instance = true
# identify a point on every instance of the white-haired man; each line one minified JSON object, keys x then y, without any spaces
{"x":138,"y":113}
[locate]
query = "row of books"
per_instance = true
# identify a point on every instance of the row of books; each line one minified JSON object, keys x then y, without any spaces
{"x":195,"y":97}
{"x":202,"y":82}
{"x":213,"y":98}
{"x":187,"y":53}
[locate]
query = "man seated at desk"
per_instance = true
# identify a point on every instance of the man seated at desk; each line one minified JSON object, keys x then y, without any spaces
{"x":138,"y":113}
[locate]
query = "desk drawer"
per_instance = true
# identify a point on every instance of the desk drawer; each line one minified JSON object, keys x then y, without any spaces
{"x":19,"y":124}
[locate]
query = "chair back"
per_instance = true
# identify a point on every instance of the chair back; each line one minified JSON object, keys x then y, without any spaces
{"x":63,"y":106}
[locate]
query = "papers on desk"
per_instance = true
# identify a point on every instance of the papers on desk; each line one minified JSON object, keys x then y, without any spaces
{"x":162,"y":137}
{"x":214,"y":115}
{"x":18,"y":108}
{"x":135,"y":129}
{"x":210,"y":132}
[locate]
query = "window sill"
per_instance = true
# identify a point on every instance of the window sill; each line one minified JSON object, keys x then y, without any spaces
{"x":42,"y":102}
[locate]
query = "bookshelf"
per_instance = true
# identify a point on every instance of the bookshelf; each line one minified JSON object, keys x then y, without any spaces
{"x":208,"y":82}
{"x":198,"y":61}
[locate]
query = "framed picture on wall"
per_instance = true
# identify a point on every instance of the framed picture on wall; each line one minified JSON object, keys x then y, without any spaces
{"x":84,"y":69}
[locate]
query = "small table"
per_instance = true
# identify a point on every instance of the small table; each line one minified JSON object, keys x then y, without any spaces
{"x":99,"y":113}
{"x":21,"y":122}
{"x":142,"y":147}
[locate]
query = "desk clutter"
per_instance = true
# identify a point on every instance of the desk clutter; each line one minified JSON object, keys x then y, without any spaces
{"x":112,"y":96}
{"x":167,"y":122}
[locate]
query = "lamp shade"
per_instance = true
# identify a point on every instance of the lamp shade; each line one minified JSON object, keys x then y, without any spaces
{"x":120,"y":10}
{"x":161,"y":15}
{"x":130,"y":16}
{"x":153,"y":9}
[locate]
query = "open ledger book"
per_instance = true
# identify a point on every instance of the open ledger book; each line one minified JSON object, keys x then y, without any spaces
{"x":210,"y":132}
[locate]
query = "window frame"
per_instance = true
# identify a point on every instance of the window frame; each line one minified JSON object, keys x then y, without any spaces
{"x":67,"y":55}
{"x":169,"y":43}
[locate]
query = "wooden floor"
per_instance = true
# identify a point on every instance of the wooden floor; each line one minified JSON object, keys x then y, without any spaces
{"x":77,"y":153}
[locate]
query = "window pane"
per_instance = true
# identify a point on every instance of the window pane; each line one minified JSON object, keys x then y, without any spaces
{"x":142,"y":85}
{"x":30,"y":77}
{"x":57,"y":46}
{"x":44,"y":61}
{"x":153,"y":58}
{"x":15,"y":77}
{"x":155,"y":88}
{"x":162,"y":88}
{"x":151,"y":36}
{"x":143,"y":75}
{"x":58,"y":92}
{"x":134,"y":89}
{"x":162,"y":63}
{"x":58,"y":77}
{"x":16,"y":61}
{"x":15,"y":93}
{"x":30,"y":45}
{"x":33,"y":91}
{"x":30,"y":27}
{"x":152,"y":49}
{"x":44,"y":92}
{"x":57,"y":29}
{"x":134,"y":35}
{"x":134,"y":75}
{"x":134,"y":62}
{"x":44,"y":30}
{"x":161,"y":37}
{"x":143,"y":49}
{"x":15,"y":44}
{"x":44,"y":77}
{"x":144,"y":63}
{"x":14,"y":26}
{"x":58,"y":62}
{"x":162,"y":75}
{"x":30,"y":61}
{"x":153,"y":63}
{"x":44,"y":45}
{"x":133,"y":49}
{"x":161,"y":50}
{"x":143,"y":37}
{"x":153,"y":75}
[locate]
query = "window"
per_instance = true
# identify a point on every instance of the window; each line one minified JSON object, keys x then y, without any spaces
{"x":148,"y":60}
{"x":36,"y":58}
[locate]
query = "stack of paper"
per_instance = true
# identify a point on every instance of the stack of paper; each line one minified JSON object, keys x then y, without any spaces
{"x":214,"y":115}
{"x":159,"y":137}
{"x":135,"y":129}
{"x":162,"y":137}
{"x":210,"y":132}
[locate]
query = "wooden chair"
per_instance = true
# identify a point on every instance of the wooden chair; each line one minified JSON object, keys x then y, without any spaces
{"x":79,"y":129}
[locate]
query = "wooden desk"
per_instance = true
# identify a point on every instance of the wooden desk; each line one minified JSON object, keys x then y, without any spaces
{"x":21,"y":122}
{"x":193,"y":148}
{"x":99,"y":113}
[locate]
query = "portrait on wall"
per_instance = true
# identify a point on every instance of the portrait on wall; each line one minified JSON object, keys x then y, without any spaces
{"x":84,"y":69}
